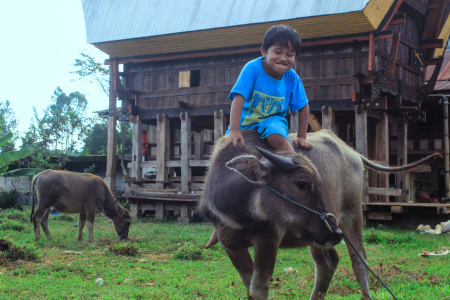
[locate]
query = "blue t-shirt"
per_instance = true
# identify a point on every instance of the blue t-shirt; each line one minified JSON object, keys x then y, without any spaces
{"x":265,"y":96}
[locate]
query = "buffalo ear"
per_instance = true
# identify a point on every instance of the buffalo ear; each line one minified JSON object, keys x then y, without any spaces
{"x":251,"y":168}
{"x":119,"y":210}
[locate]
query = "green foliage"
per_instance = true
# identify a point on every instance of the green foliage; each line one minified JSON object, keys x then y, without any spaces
{"x":385,"y":237}
{"x":91,"y":169}
{"x":12,"y":225}
{"x":189,"y":252}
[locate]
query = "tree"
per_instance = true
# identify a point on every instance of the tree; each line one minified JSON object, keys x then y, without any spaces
{"x":96,"y":141}
{"x":88,"y":68}
{"x":8,"y":124}
{"x":63,"y":125}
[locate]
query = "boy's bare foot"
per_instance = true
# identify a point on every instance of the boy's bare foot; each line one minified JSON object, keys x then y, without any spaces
{"x":212,"y":240}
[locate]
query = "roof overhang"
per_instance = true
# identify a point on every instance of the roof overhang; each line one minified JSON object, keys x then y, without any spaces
{"x":318,"y":27}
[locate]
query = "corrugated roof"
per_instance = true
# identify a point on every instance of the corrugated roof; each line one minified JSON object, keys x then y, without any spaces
{"x":113,"y":20}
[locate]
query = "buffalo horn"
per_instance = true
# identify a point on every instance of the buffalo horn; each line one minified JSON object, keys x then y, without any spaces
{"x":279,"y":161}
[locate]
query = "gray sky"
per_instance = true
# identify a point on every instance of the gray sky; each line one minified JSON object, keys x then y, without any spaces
{"x":40,"y":41}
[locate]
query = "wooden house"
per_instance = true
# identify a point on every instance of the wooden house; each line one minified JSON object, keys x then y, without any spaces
{"x":173,"y":64}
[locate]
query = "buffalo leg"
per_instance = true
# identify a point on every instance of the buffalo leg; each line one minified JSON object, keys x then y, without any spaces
{"x":326,"y":261}
{"x":90,"y":227}
{"x":243,"y":263}
{"x":44,"y":224}
{"x":264,"y":264}
{"x":81,"y":222}
{"x":360,"y":270}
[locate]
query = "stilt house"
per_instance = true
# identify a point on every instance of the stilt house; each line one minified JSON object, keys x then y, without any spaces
{"x":173,"y":64}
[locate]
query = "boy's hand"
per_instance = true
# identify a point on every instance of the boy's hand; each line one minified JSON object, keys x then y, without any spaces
{"x":234,"y":136}
{"x":302,"y":143}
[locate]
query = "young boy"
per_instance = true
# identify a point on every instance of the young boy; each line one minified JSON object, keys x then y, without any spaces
{"x":264,"y":91}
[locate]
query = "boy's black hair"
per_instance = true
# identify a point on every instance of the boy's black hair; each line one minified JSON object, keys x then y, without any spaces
{"x":281,"y":35}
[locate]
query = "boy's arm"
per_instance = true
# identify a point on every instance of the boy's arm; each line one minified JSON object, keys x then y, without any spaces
{"x":303,"y":119}
{"x":234,"y":136}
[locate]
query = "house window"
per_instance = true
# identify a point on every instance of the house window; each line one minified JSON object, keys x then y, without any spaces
{"x":189,"y":78}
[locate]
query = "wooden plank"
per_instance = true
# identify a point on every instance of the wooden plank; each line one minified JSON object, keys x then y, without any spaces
{"x":384,"y":191}
{"x":398,"y":209}
{"x":136,"y":158}
{"x":293,"y":121}
{"x":219,"y":124}
{"x":328,"y":118}
{"x":314,"y":123}
{"x":361,"y":142}
{"x":185,"y":152}
{"x":382,"y":151}
{"x":199,"y":163}
{"x":381,"y":216}
{"x":198,"y":149}
{"x":162,"y":152}
{"x":402,"y":159}
{"x":110,"y":177}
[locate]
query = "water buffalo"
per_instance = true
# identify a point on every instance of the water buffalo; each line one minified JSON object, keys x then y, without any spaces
{"x":327,"y":178}
{"x":76,"y":193}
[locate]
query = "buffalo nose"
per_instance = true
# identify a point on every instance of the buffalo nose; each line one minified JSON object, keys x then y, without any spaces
{"x":338,"y":235}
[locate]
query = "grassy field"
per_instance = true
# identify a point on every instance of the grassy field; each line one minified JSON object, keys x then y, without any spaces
{"x":166,"y":260}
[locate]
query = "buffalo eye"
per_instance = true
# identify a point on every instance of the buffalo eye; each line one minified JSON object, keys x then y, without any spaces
{"x":303,"y":185}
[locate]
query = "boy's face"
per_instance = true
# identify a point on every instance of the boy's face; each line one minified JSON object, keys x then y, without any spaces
{"x":278,"y":60}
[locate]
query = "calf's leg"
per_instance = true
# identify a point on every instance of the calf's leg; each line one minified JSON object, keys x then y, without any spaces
{"x":90,"y":226}
{"x":44,"y":224}
{"x":81,"y":222}
{"x":326,"y":261}
{"x":37,"y":219}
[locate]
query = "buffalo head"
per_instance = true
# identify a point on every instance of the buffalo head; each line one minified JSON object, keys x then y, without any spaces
{"x":294,"y":176}
{"x":122,"y":222}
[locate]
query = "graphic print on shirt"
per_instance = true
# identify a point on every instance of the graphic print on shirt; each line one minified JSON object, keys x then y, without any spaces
{"x":262,"y":106}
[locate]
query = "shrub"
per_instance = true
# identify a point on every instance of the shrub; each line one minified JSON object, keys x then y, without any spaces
{"x":127,"y":249}
{"x":189,"y":252}
{"x":8,"y":199}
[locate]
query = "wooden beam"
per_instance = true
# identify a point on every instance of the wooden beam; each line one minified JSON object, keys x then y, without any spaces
{"x":162,"y":150}
{"x":219,"y":124}
{"x":136,"y":157}
{"x":185,"y":134}
{"x":402,"y":159}
{"x":293,"y":121}
{"x":381,"y":216}
{"x":382,"y":151}
{"x":361,"y":143}
{"x":328,"y":118}
{"x":314,"y":123}
{"x":110,"y":177}
{"x":384,"y":192}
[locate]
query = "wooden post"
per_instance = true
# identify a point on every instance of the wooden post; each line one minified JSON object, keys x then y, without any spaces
{"x":185,"y":134}
{"x":361,"y":142}
{"x":110,"y":177}
{"x":219,"y":124}
{"x":315,"y":125}
{"x":136,"y":169}
{"x":293,"y":118}
{"x":446,"y":149}
{"x":328,"y":118}
{"x":402,"y":159}
{"x":162,"y":150}
{"x":382,"y":152}
{"x":198,"y":144}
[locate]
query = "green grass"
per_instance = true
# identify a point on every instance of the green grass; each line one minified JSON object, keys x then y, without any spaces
{"x":166,"y":260}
